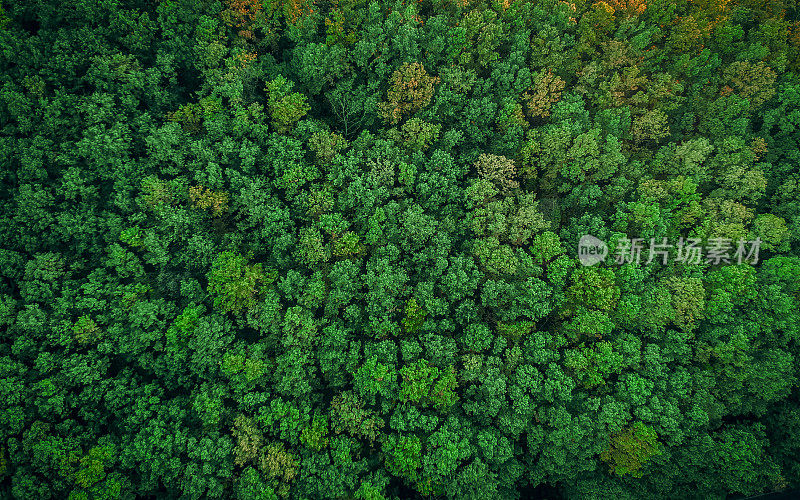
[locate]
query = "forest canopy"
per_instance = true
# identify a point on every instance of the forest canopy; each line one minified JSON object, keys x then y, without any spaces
{"x":317,"y":249}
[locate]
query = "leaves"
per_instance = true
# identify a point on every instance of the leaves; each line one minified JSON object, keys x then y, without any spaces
{"x":297,"y":249}
{"x":410,"y":89}
{"x":235,"y":284}
{"x":285,"y":107}
{"x":630,"y":449}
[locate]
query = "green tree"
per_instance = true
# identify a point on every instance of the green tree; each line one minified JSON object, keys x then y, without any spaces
{"x":235,"y":284}
{"x":285,"y":107}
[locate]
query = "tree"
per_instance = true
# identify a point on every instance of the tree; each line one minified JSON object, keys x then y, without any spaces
{"x":546,"y":91}
{"x":754,"y":82}
{"x":350,"y":106}
{"x":235,"y":284}
{"x":348,"y":414}
{"x":428,"y":385}
{"x":410,"y":89}
{"x":249,"y":440}
{"x":498,"y":169}
{"x":630,"y":449}
{"x":285,"y":107}
{"x":203,"y":198}
{"x":403,"y":455}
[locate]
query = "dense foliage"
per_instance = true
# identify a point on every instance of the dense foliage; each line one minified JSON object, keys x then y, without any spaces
{"x":328,"y":249}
